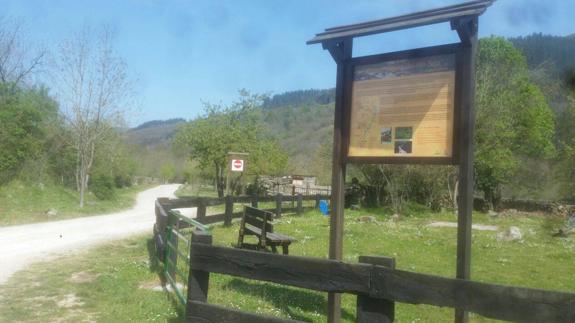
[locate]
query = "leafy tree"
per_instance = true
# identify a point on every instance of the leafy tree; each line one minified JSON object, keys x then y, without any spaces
{"x":223,"y":129}
{"x":513,"y":118}
{"x":25,"y":115}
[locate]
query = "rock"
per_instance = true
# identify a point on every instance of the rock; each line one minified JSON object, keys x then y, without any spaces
{"x":492,"y":213}
{"x":354,"y":207}
{"x":52,"y":212}
{"x":511,"y":234}
{"x":395,"y":217}
{"x":367,"y":219}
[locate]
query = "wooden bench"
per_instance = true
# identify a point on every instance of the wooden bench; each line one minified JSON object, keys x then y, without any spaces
{"x":258,"y":223}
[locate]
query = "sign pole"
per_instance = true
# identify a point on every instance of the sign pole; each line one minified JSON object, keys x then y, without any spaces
{"x":467,"y":30}
{"x":341,"y":53}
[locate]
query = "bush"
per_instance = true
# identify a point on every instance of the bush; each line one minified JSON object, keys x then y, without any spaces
{"x":103,"y":187}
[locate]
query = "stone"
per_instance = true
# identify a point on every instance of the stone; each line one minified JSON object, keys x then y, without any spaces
{"x":395,"y":217}
{"x":355,"y":207}
{"x":511,"y":234}
{"x":492,"y":213}
{"x":367,"y":219}
{"x":52,"y":212}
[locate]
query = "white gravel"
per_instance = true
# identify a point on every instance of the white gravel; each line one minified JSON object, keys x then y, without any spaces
{"x":25,"y":244}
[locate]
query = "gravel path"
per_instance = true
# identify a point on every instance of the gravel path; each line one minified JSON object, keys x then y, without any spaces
{"x":24,"y":244}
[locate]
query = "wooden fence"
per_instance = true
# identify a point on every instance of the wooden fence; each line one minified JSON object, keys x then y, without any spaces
{"x":172,"y":228}
{"x":375,"y":281}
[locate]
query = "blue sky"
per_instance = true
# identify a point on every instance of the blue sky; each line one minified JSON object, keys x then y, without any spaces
{"x":183,"y":52}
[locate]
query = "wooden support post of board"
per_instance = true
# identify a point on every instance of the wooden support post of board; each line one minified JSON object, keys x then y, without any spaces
{"x":371,"y":309}
{"x":279,"y":205}
{"x":317,"y":201}
{"x":201,"y":211}
{"x":467,"y":30}
{"x":229,"y":211}
{"x":299,"y":209}
{"x":198,"y":280}
{"x":341,"y":52}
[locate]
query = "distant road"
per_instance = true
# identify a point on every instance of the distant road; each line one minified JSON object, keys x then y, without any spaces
{"x":24,"y":244}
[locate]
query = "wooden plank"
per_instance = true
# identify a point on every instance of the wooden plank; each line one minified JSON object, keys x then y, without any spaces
{"x":262,"y":214}
{"x":489,"y":300}
{"x":371,"y":309}
{"x":466,"y":154}
{"x":200,"y":312}
{"x":258,"y":223}
{"x":426,"y":13}
{"x":394,"y":26}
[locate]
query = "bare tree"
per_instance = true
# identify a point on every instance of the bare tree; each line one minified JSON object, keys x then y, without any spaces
{"x":17,"y":58}
{"x":94,"y":93}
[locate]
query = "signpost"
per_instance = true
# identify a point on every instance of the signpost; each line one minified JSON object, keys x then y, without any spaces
{"x":408,"y":107}
{"x":237,"y":164}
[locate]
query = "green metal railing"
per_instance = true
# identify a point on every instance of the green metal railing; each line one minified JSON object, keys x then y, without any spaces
{"x":177,"y":250}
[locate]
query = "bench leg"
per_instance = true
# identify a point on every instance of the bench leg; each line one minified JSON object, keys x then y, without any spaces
{"x":285,"y":249}
{"x":274,"y":249}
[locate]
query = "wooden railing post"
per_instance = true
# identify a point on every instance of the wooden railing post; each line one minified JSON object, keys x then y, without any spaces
{"x":201,"y":211}
{"x":316,"y":200}
{"x":372,"y":309}
{"x":198,"y":280}
{"x":255,"y":200}
{"x":299,"y":209}
{"x":279,"y":205}
{"x":229,"y":210}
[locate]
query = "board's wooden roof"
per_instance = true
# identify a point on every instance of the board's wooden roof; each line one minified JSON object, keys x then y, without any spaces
{"x":422,"y":18}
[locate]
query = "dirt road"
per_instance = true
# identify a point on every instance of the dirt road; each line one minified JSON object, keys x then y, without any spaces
{"x":24,"y":244}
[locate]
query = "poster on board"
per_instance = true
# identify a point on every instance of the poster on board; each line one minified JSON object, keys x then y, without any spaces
{"x":403,"y":108}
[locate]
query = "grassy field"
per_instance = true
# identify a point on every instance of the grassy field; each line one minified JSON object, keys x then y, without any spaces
{"x":23,"y":203}
{"x":120,"y":270}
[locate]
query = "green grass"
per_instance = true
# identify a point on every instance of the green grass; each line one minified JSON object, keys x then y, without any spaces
{"x":538,"y":261}
{"x":22,"y":203}
{"x":196,"y":190}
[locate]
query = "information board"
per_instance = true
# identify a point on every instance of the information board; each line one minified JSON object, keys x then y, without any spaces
{"x":403,"y":108}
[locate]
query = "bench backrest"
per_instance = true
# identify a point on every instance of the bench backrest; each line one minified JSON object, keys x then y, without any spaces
{"x":259,"y":218}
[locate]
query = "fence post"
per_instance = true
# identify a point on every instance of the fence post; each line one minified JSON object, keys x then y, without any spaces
{"x":255,"y":200}
{"x":201,"y":211}
{"x":279,"y":205}
{"x":316,"y":200}
{"x":172,"y":251}
{"x":198,"y":280}
{"x":373,"y":309}
{"x":299,"y":209}
{"x":229,"y":210}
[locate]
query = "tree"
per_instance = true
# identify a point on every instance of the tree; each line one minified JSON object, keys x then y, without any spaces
{"x":17,"y":59}
{"x":222,"y":129}
{"x":25,"y":115}
{"x":94,"y":91}
{"x":513,"y":118}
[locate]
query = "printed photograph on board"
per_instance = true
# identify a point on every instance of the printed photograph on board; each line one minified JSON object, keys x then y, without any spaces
{"x":385,"y":135}
{"x":403,"y":147}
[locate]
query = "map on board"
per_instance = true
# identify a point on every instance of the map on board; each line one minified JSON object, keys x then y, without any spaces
{"x":403,"y":108}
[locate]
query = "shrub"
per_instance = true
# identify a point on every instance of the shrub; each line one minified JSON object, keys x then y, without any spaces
{"x":103,"y":187}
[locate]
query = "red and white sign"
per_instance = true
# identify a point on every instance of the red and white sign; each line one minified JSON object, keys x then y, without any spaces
{"x":237,"y":165}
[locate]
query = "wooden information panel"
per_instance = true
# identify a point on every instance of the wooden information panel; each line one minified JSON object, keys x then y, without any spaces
{"x":403,"y":108}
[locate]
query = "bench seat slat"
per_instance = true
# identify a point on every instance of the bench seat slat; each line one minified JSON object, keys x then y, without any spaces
{"x":272,"y":237}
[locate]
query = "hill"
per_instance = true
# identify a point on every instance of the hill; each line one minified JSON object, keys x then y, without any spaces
{"x":154,"y":133}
